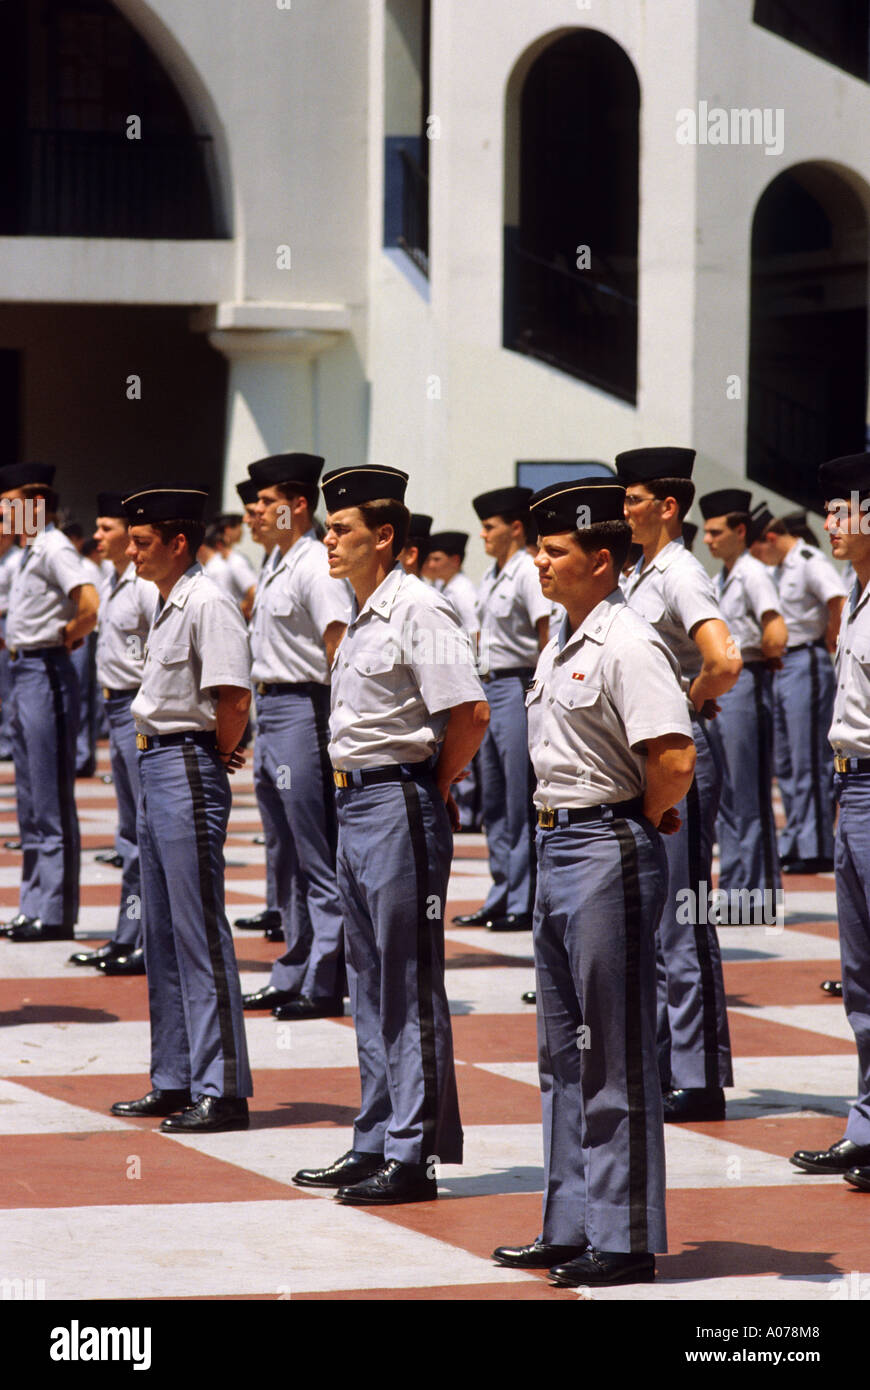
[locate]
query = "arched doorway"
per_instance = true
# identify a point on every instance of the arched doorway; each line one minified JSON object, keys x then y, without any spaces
{"x":95,"y":139}
{"x":571,"y":225}
{"x":808,"y":328}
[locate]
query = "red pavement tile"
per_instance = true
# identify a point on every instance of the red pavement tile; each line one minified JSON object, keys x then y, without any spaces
{"x":495,"y":1037}
{"x":475,"y":1224}
{"x":458,"y":955}
{"x":86,"y":1170}
{"x":782,"y":1134}
{"x":85,"y":996}
{"x":757,"y":1037}
{"x":828,"y":929}
{"x":779,"y":981}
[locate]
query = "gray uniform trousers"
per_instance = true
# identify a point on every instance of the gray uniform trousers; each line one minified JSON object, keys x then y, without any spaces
{"x":197,"y":1023}
{"x":394,"y":852}
{"x":601,"y":887}
{"x":507,"y":787}
{"x":803,"y":706}
{"x":746,"y":831}
{"x":44,"y":726}
{"x":5,"y":699}
{"x":693,"y":1039}
{"x":84,"y":660}
{"x":124,"y":758}
{"x":852,"y":873}
{"x":296,"y":796}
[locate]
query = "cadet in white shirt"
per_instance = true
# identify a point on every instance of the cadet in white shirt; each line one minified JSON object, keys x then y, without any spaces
{"x":812,"y":595}
{"x":300,"y":614}
{"x":190,"y":712}
{"x":408,"y":713}
{"x":445,"y":560}
{"x":748,"y":860}
{"x":611,"y":742}
{"x":415,"y":551}
{"x":11,"y":555}
{"x":514,"y":621}
{"x":845,"y":486}
{"x":675,"y":594}
{"x":52,"y":608}
{"x":127,"y":606}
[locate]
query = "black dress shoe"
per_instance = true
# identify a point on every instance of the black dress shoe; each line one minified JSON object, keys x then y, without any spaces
{"x":598,"y":1268}
{"x":514,"y":921}
{"x":259,"y":839}
{"x":480,"y":918}
{"x":11,"y":844}
{"x":834,"y":987}
{"x":110,"y":951}
{"x":155,"y":1103}
{"x":839,"y":1158}
{"x":260,"y":921}
{"x":303,"y":1007}
{"x":350,"y":1168}
{"x":694,"y":1103}
{"x":209,"y":1115}
{"x":537,"y":1255}
{"x":808,"y":866}
{"x":19,"y":920}
{"x":393,"y":1183}
{"x":40,"y":931}
{"x":530,"y":996}
{"x":274,"y":934}
{"x":859,"y":1177}
{"x":131,"y":963}
{"x":108,"y":856}
{"x":267,"y":998}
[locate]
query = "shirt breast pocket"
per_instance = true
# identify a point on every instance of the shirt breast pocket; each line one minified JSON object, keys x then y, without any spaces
{"x":169,"y":664}
{"x":384,"y":671}
{"x":577,"y":696}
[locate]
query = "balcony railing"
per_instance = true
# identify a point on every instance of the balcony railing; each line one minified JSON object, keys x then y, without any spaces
{"x":581,"y":321}
{"x":99,"y":184}
{"x":414,"y":234}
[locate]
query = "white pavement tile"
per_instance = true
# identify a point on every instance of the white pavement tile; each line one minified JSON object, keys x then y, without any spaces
{"x":214,"y":1248}
{"x":699,"y":1160}
{"x":503,"y":943}
{"x":492,"y":990}
{"x":760,"y":943}
{"x":829,"y":1019}
{"x":772,"y":1288}
{"x":23,"y":1111}
{"x":824,"y":1085}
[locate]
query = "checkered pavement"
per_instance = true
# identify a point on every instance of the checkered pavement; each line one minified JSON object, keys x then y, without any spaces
{"x":92,"y":1207}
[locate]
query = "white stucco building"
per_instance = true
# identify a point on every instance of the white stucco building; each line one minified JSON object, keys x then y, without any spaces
{"x":465,"y":237}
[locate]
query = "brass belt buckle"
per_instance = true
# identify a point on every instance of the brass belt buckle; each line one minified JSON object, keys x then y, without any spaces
{"x":106,"y":692}
{"x":841,"y":764}
{"x":341,"y":779}
{"x":261,"y":687}
{"x":547,"y":818}
{"x":142,"y":742}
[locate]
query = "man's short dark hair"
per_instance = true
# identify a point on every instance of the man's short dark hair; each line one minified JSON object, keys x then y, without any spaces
{"x":31,"y":491}
{"x":213,"y":534}
{"x":291,"y":490}
{"x":192,"y":531}
{"x":681,"y":489}
{"x":384,"y":511}
{"x":735,"y":519}
{"x":614,"y":536}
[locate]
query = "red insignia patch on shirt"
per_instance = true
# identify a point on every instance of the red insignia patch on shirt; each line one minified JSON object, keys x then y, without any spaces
{"x":578,"y":675}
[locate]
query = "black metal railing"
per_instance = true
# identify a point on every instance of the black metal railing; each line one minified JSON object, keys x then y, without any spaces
{"x":100,"y":184}
{"x":414,"y":236}
{"x":582,"y":321}
{"x":786,"y":442}
{"x":836,"y":31}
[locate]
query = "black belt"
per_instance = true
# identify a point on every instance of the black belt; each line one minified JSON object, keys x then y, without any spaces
{"x":291,"y":687}
{"x":523,"y":672}
{"x":372,"y":776}
{"x":806,"y":646}
{"x":109,"y":694}
{"x":16,"y":652}
{"x":205,"y":739}
{"x":843,"y":765}
{"x":551,"y":819}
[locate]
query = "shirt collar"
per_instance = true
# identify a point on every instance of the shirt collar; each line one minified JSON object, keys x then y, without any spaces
{"x":178,"y":594}
{"x":382,"y":600}
{"x":291,"y":557}
{"x":595,"y":626}
{"x":666,"y":556}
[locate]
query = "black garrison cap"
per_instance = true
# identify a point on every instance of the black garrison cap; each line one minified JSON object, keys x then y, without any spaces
{"x":690,"y":531}
{"x":762,"y":516}
{"x":111,"y":504}
{"x":727,"y":499}
{"x":501,"y":500}
{"x":247,"y":490}
{"x":451,"y":542}
{"x":370,"y":482}
{"x":21,"y":474}
{"x":839,"y":477}
{"x":165,"y":504}
{"x":574,"y":505}
{"x":644,"y":465}
{"x":286,"y":469}
{"x":420,"y":526}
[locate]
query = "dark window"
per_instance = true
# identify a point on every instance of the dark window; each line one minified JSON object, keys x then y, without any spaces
{"x":72,"y":72}
{"x":808,"y":330}
{"x":406,"y":151}
{"x":836,"y":30}
{"x":10,"y":406}
{"x":578,"y":189}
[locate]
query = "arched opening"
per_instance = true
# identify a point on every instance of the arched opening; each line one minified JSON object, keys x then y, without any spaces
{"x":95,"y":139}
{"x":571,"y":225}
{"x":808,"y":329}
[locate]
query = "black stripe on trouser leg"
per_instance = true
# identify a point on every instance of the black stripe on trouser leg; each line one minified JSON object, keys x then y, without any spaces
{"x":66,"y":795}
{"x":763,"y":772}
{"x":531,"y":786}
{"x":634,"y":1086}
{"x":320,"y":708}
{"x":815,"y":700}
{"x":425,"y":1010}
{"x":709,"y":1025}
{"x":212,"y":926}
